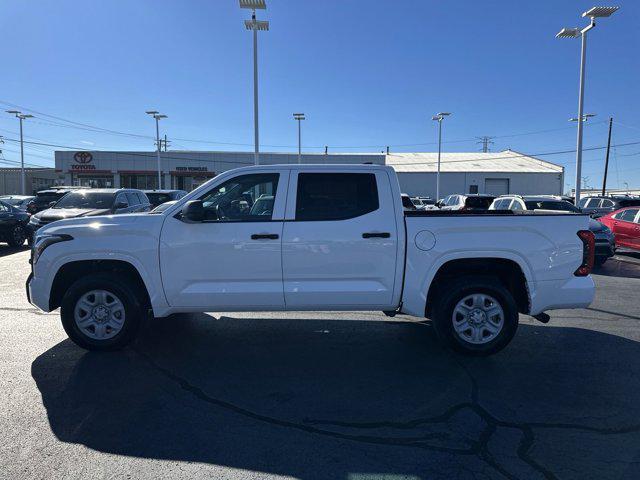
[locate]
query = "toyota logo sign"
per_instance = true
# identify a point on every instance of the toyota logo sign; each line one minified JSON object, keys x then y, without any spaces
{"x":83,"y":157}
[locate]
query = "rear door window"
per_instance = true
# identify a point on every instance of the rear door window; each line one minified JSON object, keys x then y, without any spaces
{"x":335,"y":196}
{"x":627,"y":215}
{"x":593,"y":203}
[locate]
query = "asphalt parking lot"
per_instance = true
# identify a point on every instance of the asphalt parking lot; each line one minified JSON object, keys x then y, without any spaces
{"x":307,"y":396}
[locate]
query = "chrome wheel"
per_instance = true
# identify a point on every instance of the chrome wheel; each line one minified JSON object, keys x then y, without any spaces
{"x":99,"y":314}
{"x":478,"y":318}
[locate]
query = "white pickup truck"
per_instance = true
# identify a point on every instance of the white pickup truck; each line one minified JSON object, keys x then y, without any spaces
{"x":311,"y":237}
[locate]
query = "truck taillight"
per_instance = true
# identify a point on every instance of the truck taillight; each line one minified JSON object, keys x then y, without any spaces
{"x":589,"y":250}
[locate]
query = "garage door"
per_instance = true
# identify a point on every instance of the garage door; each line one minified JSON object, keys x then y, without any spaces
{"x":496,"y":186}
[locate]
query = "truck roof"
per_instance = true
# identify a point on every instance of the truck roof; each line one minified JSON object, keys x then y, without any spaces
{"x":318,"y":166}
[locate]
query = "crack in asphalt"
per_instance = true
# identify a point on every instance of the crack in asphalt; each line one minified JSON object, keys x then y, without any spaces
{"x":478,"y":448}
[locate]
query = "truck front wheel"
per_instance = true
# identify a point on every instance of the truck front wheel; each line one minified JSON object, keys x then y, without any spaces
{"x":475,"y":315}
{"x":101,"y":312}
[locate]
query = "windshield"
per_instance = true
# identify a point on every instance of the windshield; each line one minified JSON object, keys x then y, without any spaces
{"x":86,"y":200}
{"x":158,"y":198}
{"x":13,"y":201}
{"x":559,"y":205}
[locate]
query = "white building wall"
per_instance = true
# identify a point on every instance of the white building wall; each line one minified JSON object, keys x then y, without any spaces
{"x":424,"y":183}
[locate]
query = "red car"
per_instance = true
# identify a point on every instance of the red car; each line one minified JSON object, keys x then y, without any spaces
{"x":625,"y":225}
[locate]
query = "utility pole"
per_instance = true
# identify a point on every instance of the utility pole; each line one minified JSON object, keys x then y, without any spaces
{"x":593,"y":13}
{"x":255,"y":25}
{"x":485,"y":141}
{"x":299,"y":117}
{"x":606,"y":161}
{"x":438,"y":118}
{"x":21,"y":116}
{"x":158,"y":116}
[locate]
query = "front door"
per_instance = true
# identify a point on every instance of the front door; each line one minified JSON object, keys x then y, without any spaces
{"x":340,"y":241}
{"x":232,"y":260}
{"x":624,"y":227}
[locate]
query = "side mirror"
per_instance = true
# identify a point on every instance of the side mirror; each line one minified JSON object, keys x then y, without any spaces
{"x":120,"y":205}
{"x":193,"y":212}
{"x":51,"y":204}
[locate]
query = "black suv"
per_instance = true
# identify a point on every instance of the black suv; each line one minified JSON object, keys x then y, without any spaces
{"x":598,"y":206}
{"x":90,"y":202}
{"x":44,"y":198}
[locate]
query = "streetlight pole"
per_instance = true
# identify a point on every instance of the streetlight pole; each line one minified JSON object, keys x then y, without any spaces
{"x":255,"y":25}
{"x":157,"y":115}
{"x":21,"y":116}
{"x":593,"y":13}
{"x":439,"y":117}
{"x":299,"y":117}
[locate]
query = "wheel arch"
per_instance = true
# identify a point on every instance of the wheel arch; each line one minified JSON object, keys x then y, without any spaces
{"x":511,"y":273}
{"x":71,"y":271}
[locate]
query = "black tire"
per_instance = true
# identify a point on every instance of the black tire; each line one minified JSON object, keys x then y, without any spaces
{"x":456,"y":290}
{"x":128,"y":295}
{"x":17,"y":236}
{"x":599,"y":261}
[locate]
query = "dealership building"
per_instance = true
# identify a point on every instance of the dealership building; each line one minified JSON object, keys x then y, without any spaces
{"x":473,"y":172}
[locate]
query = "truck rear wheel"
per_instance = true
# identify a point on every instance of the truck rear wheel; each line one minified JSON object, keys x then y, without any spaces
{"x":475,"y":315}
{"x":101,"y":312}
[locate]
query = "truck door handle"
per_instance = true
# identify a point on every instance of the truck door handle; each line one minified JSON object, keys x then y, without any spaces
{"x":376,"y":235}
{"x":265,"y":236}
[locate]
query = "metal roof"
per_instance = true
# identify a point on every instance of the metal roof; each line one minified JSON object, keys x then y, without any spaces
{"x":505,"y":161}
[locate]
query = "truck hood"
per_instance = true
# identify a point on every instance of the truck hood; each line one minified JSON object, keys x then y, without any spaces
{"x":91,"y":226}
{"x":55,"y":214}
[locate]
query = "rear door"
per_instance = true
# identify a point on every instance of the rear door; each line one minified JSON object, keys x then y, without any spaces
{"x":624,"y":227}
{"x":340,"y":240}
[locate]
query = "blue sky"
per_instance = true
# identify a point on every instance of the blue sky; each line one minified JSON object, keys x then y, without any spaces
{"x":367,"y":74}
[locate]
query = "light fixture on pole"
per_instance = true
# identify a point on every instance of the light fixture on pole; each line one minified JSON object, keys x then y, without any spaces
{"x":21,"y":116}
{"x":585,"y":117}
{"x":593,"y":13}
{"x":439,"y":117}
{"x":299,"y":117}
{"x":255,"y":25}
{"x":157,"y":115}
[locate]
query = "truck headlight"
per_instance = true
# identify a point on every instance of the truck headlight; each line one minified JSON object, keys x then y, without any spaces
{"x":46,"y":240}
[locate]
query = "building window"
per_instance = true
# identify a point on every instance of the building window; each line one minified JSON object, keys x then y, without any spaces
{"x":473,"y":189}
{"x":143,"y":182}
{"x":93,"y":182}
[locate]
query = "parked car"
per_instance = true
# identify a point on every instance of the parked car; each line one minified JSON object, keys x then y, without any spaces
{"x":13,"y":225}
{"x":625,"y":224}
{"x":417,"y":201}
{"x":91,"y":202}
{"x":18,"y":201}
{"x":158,"y":197}
{"x":470,"y":203}
{"x":337,"y":238}
{"x":598,"y":206}
{"x":428,"y":201}
{"x":605,"y":246}
{"x":44,"y":198}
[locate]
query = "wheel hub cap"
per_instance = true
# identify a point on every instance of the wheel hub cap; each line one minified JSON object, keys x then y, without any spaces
{"x":99,"y":314}
{"x":478,"y":318}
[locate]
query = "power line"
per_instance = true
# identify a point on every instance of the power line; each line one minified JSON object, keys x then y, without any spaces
{"x":96,"y":129}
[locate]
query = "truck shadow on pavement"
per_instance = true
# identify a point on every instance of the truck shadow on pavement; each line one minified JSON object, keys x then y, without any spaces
{"x":319,"y":399}
{"x":7,"y":250}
